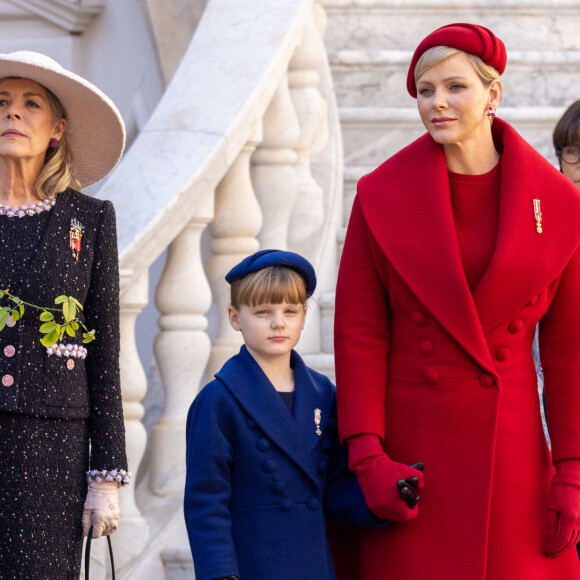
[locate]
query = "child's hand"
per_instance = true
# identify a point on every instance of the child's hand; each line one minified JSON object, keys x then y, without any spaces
{"x":378,"y":476}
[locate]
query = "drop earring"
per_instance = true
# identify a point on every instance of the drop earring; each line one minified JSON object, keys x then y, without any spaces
{"x":490,"y":113}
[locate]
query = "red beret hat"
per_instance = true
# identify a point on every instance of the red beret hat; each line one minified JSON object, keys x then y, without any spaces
{"x":467,"y":37}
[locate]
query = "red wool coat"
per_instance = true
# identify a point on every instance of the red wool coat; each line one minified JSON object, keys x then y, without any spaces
{"x":446,"y":377}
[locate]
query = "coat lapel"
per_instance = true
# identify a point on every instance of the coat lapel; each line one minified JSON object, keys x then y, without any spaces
{"x":414,"y":228}
{"x":244,"y":378}
{"x":53,"y":246}
{"x":525,"y":261}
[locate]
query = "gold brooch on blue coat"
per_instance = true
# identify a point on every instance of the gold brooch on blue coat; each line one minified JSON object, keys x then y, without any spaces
{"x":317,"y":417}
{"x":538,"y":216}
{"x":76,"y":234}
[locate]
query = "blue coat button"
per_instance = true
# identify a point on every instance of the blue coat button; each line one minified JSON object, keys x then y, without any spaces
{"x":263,"y":444}
{"x":286,"y":505}
{"x":252,"y":424}
{"x":278,"y":486}
{"x":313,"y":504}
{"x":322,"y":467}
{"x":269,"y":466}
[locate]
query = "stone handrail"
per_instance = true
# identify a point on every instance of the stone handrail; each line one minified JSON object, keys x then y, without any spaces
{"x":208,"y":112}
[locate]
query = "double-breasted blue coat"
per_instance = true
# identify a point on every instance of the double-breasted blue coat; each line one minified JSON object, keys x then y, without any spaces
{"x":260,"y":481}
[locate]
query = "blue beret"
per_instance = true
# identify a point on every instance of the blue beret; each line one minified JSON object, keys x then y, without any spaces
{"x":266,"y":258}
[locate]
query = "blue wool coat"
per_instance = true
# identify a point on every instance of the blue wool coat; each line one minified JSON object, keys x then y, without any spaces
{"x":260,"y":481}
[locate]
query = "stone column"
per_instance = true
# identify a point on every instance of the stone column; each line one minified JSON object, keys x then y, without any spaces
{"x":182,"y":349}
{"x":133,"y":530}
{"x":310,"y":108}
{"x":237,"y":222}
{"x":273,"y":168}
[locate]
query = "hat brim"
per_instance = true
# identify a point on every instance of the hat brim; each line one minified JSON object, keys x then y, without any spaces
{"x":95,"y":128}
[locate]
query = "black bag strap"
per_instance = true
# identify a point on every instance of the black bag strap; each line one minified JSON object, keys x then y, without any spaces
{"x":88,"y":554}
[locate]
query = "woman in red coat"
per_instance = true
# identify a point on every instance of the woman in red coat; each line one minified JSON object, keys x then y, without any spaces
{"x":456,"y":247}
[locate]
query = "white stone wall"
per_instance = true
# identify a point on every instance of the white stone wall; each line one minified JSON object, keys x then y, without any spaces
{"x":116,"y":52}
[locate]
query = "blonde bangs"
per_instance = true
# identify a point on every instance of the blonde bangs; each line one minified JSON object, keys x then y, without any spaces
{"x":272,"y":285}
{"x":436,"y":54}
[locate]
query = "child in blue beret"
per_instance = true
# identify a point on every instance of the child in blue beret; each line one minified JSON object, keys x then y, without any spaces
{"x":264,"y":464}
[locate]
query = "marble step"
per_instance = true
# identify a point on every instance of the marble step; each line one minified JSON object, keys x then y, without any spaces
{"x":401,"y":24}
{"x":377,"y":78}
{"x":371,"y":135}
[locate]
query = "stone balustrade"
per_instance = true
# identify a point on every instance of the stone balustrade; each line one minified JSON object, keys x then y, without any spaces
{"x":242,"y":144}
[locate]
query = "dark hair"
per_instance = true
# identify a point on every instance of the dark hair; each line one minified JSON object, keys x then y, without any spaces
{"x":274,"y":284}
{"x":567,"y":129}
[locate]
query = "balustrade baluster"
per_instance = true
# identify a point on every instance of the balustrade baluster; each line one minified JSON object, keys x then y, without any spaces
{"x":133,"y":530}
{"x":310,"y":107}
{"x":237,"y":222}
{"x":182,"y":349}
{"x":273,"y":168}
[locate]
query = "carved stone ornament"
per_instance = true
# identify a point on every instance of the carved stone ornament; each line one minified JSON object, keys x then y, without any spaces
{"x":72,"y":15}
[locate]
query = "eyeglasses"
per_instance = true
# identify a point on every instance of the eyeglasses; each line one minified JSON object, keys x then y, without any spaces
{"x":571,"y":155}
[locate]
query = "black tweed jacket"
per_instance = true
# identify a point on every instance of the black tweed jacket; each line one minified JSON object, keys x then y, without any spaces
{"x":52,"y":386}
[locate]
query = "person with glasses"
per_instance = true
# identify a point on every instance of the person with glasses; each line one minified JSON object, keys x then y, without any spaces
{"x":566,"y":140}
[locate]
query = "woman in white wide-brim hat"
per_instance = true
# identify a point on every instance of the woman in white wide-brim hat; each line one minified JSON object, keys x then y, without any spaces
{"x":61,"y":418}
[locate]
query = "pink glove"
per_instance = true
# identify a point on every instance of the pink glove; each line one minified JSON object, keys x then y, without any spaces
{"x":101,"y":509}
{"x":378,"y":476}
{"x":563,"y":521}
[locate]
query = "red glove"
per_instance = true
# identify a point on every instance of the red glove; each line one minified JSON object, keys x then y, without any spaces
{"x":563,"y":521}
{"x":378,"y":476}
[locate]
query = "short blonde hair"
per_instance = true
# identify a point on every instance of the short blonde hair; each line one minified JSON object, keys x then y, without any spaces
{"x":272,"y":285}
{"x":432,"y":56}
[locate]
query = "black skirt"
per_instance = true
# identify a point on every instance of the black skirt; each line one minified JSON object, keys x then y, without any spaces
{"x":43,"y":463}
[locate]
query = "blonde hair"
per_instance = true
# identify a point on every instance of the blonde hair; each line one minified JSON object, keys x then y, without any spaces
{"x":56,"y":174}
{"x":432,"y":56}
{"x":273,"y":285}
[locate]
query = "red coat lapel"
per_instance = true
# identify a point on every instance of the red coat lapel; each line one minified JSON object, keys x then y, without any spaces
{"x":525,"y":261}
{"x":406,"y":203}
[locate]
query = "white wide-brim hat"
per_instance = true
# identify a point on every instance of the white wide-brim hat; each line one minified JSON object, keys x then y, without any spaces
{"x":95,"y":128}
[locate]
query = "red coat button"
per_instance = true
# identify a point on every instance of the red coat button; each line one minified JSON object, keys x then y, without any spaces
{"x":427,"y":348}
{"x":432,"y":376}
{"x":502,"y":354}
{"x":486,"y":380}
{"x":516,"y":326}
{"x":419,"y":318}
